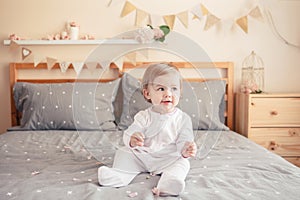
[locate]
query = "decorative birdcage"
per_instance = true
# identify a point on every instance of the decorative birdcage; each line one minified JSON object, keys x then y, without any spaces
{"x":252,"y":74}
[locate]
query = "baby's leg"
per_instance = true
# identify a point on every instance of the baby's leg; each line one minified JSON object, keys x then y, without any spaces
{"x":172,"y":181}
{"x":126,"y":166}
{"x":114,"y":177}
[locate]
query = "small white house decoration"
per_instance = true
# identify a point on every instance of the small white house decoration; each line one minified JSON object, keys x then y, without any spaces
{"x":252,"y":74}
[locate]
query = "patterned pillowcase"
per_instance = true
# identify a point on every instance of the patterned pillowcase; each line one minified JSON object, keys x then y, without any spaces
{"x":202,"y":101}
{"x":129,"y":101}
{"x":85,"y":106}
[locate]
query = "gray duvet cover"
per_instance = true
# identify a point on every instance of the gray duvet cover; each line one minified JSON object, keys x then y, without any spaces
{"x":63,"y":165}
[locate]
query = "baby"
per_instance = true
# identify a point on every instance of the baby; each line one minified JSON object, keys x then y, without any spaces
{"x":159,"y":141}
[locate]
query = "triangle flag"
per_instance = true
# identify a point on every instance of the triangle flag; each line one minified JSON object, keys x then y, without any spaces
{"x":155,"y":19}
{"x":37,"y":59}
{"x":197,"y":12}
{"x":211,"y":21}
{"x":145,"y":53}
{"x":243,"y":23}
{"x":13,"y":45}
{"x":105,"y":64}
{"x":25,"y":52}
{"x":114,"y":2}
{"x":119,"y":63}
{"x":91,"y":65}
{"x":204,"y":10}
{"x":183,"y":18}
{"x":227,"y":24}
{"x":169,"y":20}
{"x":77,"y":66}
{"x":131,"y":57}
{"x":256,"y":13}
{"x":50,"y":62}
{"x":128,"y":8}
{"x":64,"y":66}
{"x":140,"y":17}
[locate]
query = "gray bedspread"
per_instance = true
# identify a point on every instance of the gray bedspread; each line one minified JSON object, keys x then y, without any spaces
{"x":63,"y":165}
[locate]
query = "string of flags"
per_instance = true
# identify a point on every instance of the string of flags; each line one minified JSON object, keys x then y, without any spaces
{"x":27,"y":54}
{"x":199,"y":11}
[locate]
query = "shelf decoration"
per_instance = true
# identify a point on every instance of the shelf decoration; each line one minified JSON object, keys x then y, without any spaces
{"x":25,"y":52}
{"x":150,"y":34}
{"x":50,"y":62}
{"x":73,"y":31}
{"x":78,"y":65}
{"x":252,"y":74}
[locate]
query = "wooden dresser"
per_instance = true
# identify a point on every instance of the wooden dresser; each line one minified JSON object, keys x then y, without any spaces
{"x":271,"y":120}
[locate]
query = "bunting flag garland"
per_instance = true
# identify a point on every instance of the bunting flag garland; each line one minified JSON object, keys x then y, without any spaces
{"x":91,"y":65}
{"x":104,"y":64}
{"x":256,"y":13}
{"x":128,"y":8}
{"x":37,"y":59}
{"x":77,"y":66}
{"x":141,"y":16}
{"x":50,"y":62}
{"x":156,"y":19}
{"x":183,"y":17}
{"x":119,"y":63}
{"x":25,"y":52}
{"x":169,"y":20}
{"x":13,"y":45}
{"x":64,"y":66}
{"x":243,"y":23}
{"x":204,"y":9}
{"x":131,"y":57}
{"x":144,"y":53}
{"x":199,"y":11}
{"x":211,"y":21}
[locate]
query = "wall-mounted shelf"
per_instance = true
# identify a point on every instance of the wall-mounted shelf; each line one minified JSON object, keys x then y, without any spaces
{"x":72,"y":42}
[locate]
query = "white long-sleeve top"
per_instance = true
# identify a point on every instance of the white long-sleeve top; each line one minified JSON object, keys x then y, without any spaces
{"x":165,"y":134}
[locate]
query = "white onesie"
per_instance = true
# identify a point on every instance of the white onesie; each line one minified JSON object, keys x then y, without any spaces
{"x":165,"y":136}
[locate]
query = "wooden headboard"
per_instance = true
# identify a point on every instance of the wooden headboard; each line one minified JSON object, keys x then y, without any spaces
{"x":40,"y":74}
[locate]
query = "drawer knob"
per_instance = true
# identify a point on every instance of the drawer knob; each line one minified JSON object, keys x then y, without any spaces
{"x":274,"y":112}
{"x":292,"y":132}
{"x":273,"y":145}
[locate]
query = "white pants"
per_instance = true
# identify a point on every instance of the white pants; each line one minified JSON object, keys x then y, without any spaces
{"x":127,"y":165}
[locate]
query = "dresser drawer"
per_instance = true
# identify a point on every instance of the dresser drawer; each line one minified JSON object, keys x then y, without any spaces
{"x":274,"y":112}
{"x":295,"y":160}
{"x":282,"y":141}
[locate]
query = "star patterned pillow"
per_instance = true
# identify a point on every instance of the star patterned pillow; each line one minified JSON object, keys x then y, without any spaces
{"x":66,"y":105}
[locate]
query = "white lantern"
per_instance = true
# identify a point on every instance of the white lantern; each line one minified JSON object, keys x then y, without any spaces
{"x":252,"y":74}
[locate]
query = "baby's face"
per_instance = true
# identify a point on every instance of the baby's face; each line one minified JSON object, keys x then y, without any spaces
{"x":164,"y":92}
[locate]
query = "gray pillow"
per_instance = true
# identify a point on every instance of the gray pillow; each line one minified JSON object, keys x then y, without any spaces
{"x":85,"y":106}
{"x":204,"y":103}
{"x":130,"y":100}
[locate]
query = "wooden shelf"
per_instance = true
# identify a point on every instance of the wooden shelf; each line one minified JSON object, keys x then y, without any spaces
{"x":72,"y":42}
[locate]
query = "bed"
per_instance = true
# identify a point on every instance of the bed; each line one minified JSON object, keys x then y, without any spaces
{"x":60,"y":137}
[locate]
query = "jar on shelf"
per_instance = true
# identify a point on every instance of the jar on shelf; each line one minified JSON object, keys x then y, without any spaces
{"x":252,"y":74}
{"x":73,"y":31}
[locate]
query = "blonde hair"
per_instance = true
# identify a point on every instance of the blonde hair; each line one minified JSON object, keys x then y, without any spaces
{"x":158,"y":69}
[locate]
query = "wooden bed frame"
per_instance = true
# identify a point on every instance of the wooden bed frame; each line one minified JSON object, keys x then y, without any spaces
{"x":227,"y":67}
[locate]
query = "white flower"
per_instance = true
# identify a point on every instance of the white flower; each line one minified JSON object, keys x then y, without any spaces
{"x":145,"y":35}
{"x":158,"y":33}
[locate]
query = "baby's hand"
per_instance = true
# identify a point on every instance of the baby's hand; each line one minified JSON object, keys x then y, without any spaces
{"x":189,"y":150}
{"x":137,"y":139}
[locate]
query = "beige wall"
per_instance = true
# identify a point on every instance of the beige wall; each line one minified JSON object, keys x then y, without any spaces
{"x":34,"y":19}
